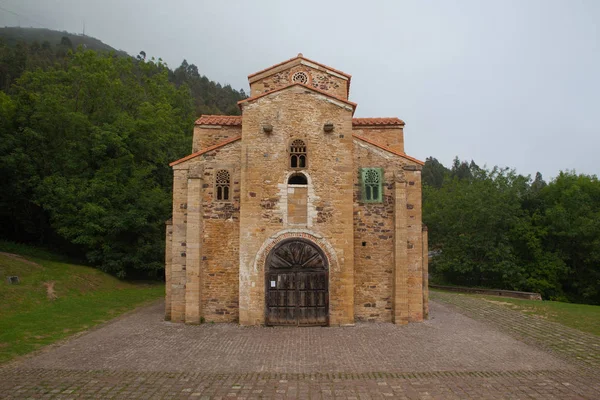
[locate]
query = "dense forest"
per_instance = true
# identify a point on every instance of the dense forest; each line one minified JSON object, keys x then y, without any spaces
{"x":86,"y":137}
{"x":85,"y":142}
{"x":495,"y":228}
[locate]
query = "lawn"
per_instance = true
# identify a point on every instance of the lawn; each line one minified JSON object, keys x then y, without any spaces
{"x":583,"y":317}
{"x":32,"y":317}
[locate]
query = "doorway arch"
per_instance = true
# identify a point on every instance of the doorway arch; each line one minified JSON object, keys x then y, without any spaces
{"x":296,"y":284}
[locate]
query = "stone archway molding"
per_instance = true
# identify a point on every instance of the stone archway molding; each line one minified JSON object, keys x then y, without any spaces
{"x":317,"y":239}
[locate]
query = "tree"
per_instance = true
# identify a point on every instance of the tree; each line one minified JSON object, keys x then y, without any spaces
{"x":571,"y":218}
{"x":89,"y":149}
{"x":434,"y":173}
{"x":66,"y":42}
{"x":470,"y":220}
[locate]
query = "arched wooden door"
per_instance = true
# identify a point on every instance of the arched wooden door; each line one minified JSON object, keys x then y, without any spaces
{"x":297,"y":285}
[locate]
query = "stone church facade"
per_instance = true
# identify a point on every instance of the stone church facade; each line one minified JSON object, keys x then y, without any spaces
{"x":296,"y":213}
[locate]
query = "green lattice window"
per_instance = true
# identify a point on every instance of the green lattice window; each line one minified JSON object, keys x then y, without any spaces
{"x":371,"y":185}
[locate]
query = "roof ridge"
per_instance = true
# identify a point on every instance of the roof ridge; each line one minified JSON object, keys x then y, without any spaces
{"x":206,"y":150}
{"x":377,"y":121}
{"x":300,"y":56}
{"x":383,"y":147}
{"x":214,"y":120}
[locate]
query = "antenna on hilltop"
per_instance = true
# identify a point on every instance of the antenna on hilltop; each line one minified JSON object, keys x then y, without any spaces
{"x":84,"y":27}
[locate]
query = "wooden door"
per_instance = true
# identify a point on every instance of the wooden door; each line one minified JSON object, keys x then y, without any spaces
{"x":297,"y":283}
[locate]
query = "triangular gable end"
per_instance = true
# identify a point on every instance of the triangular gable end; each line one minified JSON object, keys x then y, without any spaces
{"x":206,"y":150}
{"x":296,"y":84}
{"x":382,"y":147}
{"x":299,"y":59}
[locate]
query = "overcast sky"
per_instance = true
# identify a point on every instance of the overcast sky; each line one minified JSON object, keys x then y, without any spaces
{"x":509,"y":83}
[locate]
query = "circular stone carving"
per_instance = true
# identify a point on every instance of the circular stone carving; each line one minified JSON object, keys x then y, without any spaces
{"x":300,"y":77}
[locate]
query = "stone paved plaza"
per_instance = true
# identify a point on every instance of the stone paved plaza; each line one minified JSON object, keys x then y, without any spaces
{"x":468,"y":349}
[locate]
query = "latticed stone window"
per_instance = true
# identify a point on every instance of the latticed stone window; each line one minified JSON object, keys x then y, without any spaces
{"x":223,"y":185}
{"x":298,"y":154}
{"x":371,"y":184}
{"x":300,"y":77}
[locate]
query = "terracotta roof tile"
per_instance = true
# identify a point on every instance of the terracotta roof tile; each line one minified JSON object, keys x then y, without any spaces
{"x":236,"y":120}
{"x":376,"y":121}
{"x":229,"y":120}
{"x":206,"y":150}
{"x":364,"y":139}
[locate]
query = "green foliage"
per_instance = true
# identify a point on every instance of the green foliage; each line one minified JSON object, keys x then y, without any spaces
{"x":88,"y":153}
{"x":20,"y":50}
{"x":473,"y":219}
{"x":494,"y":228}
{"x":209,"y":97}
{"x":434,"y":173}
{"x":570,"y":216}
{"x":85,"y":142}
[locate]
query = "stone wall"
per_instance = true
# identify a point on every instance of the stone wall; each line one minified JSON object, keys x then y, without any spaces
{"x":375,"y":237}
{"x":210,"y":135}
{"x":296,"y":113}
{"x":414,"y":226}
{"x":220,"y":239}
{"x":178,"y":245}
{"x":319,"y":79}
{"x":204,"y":263}
{"x":216,"y":250}
{"x":391,"y":137}
{"x":297,"y":204}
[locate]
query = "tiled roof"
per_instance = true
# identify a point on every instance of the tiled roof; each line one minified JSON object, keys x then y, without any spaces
{"x":300,"y":56}
{"x":302,"y":85}
{"x":229,"y":120}
{"x":376,"y":121}
{"x":236,"y":120}
{"x":206,"y":150}
{"x":364,"y":139}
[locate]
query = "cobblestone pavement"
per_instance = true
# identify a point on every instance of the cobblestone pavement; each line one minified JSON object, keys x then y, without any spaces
{"x":451,"y":356}
{"x":567,"y":343}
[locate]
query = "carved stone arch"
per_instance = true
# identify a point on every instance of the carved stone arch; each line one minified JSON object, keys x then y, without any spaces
{"x":296,"y":284}
{"x":304,"y":172}
{"x":317,"y":239}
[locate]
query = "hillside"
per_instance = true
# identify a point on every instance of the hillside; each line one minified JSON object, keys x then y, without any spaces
{"x":13,"y":35}
{"x":26,"y":49}
{"x":56,"y":298}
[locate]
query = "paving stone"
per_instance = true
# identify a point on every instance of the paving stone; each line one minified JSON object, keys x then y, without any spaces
{"x":451,"y":356}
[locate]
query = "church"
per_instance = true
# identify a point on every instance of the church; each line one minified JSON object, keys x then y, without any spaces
{"x":296,"y":213}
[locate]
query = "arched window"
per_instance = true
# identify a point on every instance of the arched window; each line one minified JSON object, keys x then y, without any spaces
{"x":298,"y":154}
{"x":223,"y":185}
{"x":297,"y":179}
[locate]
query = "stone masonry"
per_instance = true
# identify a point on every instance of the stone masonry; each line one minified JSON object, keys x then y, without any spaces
{"x":239,"y":194}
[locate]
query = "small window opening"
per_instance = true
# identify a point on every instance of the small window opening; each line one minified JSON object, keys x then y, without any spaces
{"x":222,"y":185}
{"x":364,"y":244}
{"x":297,"y":179}
{"x":298,"y":154}
{"x":372,"y":184}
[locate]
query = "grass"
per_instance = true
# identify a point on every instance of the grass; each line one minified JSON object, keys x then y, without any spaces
{"x":582,"y":317}
{"x":85,"y":297}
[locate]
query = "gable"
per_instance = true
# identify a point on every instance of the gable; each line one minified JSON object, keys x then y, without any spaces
{"x":378,"y":147}
{"x":212,"y":151}
{"x":302,"y":70}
